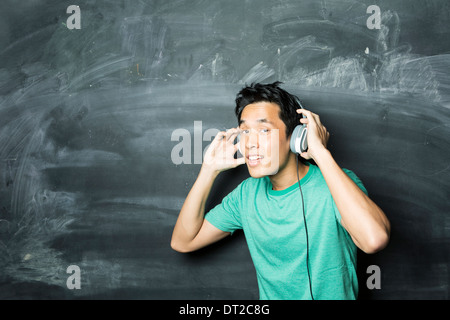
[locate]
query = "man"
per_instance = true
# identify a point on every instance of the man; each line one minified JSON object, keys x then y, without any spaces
{"x":302,"y":221}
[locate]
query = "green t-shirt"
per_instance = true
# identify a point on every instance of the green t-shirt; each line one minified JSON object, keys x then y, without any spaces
{"x":272,"y":221}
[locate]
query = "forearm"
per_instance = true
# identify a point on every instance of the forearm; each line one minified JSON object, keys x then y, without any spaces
{"x":360,"y":216}
{"x":191,"y":230}
{"x":192,"y":213}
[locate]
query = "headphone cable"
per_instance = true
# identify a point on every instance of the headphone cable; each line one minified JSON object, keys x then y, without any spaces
{"x":306,"y":233}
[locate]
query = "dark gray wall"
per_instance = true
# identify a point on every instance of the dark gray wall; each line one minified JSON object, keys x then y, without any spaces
{"x":87,"y":116}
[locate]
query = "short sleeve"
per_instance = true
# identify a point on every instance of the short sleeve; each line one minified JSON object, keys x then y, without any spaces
{"x":226,"y":215}
{"x":358,"y":182}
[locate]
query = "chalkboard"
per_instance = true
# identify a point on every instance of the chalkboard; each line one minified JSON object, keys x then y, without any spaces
{"x":103,"y":125}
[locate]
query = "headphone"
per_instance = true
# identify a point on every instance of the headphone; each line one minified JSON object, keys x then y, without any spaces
{"x":299,"y":142}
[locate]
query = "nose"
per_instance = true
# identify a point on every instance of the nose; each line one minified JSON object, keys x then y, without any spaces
{"x":251,"y":140}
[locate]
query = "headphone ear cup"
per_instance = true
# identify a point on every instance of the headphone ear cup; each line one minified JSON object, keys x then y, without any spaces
{"x":298,"y":142}
{"x":292,"y":142}
{"x":303,"y":139}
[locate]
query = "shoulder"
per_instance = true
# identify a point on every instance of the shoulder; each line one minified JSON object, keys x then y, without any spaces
{"x":317,"y":173}
{"x":351,"y":174}
{"x":355,"y":179}
{"x":318,"y":177}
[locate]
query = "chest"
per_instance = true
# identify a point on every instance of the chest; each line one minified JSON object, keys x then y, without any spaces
{"x":278,"y":222}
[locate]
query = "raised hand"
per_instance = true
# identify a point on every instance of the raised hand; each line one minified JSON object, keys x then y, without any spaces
{"x":220,"y":154}
{"x":317,"y":133}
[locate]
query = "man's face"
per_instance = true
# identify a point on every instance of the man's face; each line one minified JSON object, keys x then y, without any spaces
{"x":263,"y":139}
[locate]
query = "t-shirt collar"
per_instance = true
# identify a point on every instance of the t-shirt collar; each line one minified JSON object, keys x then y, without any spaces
{"x":303,"y":181}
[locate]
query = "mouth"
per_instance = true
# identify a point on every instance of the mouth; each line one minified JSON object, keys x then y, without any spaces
{"x":254,"y":159}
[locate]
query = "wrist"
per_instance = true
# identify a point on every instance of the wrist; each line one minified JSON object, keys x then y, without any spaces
{"x":208,"y":172}
{"x":321,"y":155}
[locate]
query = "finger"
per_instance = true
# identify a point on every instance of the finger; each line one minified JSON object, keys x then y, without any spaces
{"x":307,"y":114}
{"x":232,"y":133}
{"x":317,"y":118}
{"x":304,"y":111}
{"x":305,"y":155}
{"x":219,"y":137}
{"x":220,"y":134}
{"x":228,"y":135}
{"x":312,"y":118}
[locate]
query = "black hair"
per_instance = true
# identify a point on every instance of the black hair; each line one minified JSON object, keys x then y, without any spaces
{"x":258,"y":92}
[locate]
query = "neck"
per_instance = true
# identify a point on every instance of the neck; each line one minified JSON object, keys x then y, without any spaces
{"x":287,"y":175}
